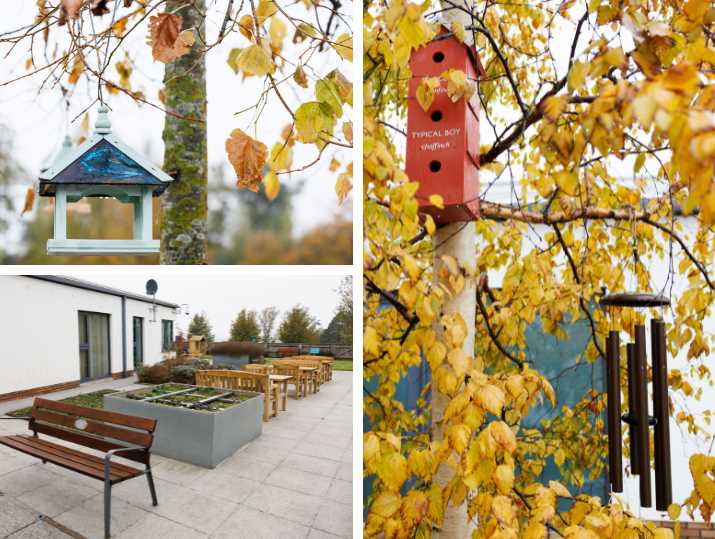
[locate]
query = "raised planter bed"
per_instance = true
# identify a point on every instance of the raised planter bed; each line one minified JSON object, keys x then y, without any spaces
{"x":199,"y":425}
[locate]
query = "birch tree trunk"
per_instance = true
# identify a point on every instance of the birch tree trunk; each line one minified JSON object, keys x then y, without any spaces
{"x":184,"y":208}
{"x":458,"y":241}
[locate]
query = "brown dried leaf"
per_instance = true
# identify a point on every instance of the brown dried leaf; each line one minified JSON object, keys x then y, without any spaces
{"x":248,"y":157}
{"x":99,"y":7}
{"x":29,"y":201}
{"x":69,"y":9}
{"x":166,"y":42}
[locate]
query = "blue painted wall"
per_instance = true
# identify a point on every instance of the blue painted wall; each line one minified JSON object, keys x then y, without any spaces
{"x":557,"y":360}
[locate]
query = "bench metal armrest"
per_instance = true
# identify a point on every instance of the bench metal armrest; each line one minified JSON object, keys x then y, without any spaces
{"x":109,"y":454}
{"x":24,"y":418}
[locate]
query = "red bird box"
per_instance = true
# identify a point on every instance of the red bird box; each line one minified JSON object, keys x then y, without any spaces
{"x":443,"y":142}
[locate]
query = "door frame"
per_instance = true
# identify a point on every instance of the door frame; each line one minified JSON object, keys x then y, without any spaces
{"x":108,"y":318}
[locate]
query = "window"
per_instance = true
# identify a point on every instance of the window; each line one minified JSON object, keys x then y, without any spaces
{"x":167,"y":335}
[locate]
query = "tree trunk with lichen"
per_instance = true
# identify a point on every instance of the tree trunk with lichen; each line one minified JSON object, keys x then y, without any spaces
{"x":184,"y":208}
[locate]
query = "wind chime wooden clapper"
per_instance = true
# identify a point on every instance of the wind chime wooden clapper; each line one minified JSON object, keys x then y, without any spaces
{"x":638,"y":419}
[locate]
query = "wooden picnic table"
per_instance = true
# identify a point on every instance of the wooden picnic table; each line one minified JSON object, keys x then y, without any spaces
{"x":281,"y":381}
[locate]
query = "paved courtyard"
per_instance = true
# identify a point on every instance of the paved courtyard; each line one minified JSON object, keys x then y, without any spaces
{"x":295,"y":481}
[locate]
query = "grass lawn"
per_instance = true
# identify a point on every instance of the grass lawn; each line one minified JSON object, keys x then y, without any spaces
{"x":90,"y":400}
{"x":342,"y":365}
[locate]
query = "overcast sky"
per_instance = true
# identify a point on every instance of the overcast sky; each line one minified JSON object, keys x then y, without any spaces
{"x":39,"y":119}
{"x":222,"y":296}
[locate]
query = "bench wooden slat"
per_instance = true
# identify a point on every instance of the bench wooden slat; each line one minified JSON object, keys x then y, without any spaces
{"x":94,"y":459}
{"x":65,"y":457}
{"x":92,"y":442}
{"x":94,"y":427}
{"x":135,"y":422}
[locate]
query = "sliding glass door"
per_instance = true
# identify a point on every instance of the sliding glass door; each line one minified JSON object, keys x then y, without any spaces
{"x":138,"y":332}
{"x":94,"y":355}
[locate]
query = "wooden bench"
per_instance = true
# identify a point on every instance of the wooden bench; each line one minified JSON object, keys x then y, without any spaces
{"x":247,"y":381}
{"x":111,"y":433}
{"x":300,"y":380}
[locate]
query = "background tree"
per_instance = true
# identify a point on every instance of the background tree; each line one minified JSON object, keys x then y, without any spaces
{"x":267,"y":320}
{"x":340,"y":328}
{"x":298,"y":326}
{"x":200,"y":325}
{"x":245,"y":327}
{"x":300,"y":51}
{"x":577,"y":96}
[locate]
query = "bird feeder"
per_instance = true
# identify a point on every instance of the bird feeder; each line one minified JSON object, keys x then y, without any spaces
{"x":638,"y":420}
{"x":103,"y":166}
{"x":443,"y":142}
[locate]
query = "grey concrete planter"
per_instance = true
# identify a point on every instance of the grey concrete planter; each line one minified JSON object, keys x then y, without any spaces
{"x":236,"y":362}
{"x":200,"y":437}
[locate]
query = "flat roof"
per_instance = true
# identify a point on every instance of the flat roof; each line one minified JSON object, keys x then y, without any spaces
{"x":87,"y":285}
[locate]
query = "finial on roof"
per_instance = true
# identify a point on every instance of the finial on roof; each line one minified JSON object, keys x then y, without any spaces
{"x":103,"y":126}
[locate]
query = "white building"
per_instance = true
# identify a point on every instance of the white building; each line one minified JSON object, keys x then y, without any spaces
{"x":58,"y":332}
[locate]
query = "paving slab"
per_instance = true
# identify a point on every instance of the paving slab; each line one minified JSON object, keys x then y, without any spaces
{"x":295,"y":481}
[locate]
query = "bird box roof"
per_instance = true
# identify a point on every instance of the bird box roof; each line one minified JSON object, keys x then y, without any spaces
{"x":446,"y":33}
{"x":103,"y":159}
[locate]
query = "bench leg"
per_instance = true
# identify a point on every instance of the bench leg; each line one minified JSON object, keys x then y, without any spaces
{"x":107,"y":508}
{"x":152,"y":488}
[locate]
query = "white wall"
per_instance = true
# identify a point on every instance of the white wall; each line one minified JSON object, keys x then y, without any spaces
{"x":40,"y":335}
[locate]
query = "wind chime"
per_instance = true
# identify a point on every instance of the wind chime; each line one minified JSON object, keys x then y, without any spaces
{"x":638,"y":419}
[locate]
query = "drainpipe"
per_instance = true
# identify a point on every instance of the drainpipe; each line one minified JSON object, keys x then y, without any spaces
{"x":124,"y":337}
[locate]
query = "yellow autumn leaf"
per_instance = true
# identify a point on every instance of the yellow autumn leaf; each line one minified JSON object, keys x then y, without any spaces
{"x":503,"y":510}
{"x":458,"y":30}
{"x":503,"y":436}
{"x":436,"y":201}
{"x":344,"y":183}
{"x":458,"y":436}
{"x":343,"y":45}
{"x":459,"y":361}
{"x":504,"y":478}
{"x":386,"y":504}
{"x":425,"y":92}
{"x":314,"y":120}
{"x":265,"y":9}
{"x":277,"y":32}
{"x":559,"y":489}
{"x":553,"y":106}
{"x":254,"y":60}
{"x":663,"y":533}
{"x":491,"y":398}
{"x":271,"y":185}
{"x":674,"y":511}
{"x":392,"y":470}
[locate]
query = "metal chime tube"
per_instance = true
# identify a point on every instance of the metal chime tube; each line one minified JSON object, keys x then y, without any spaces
{"x":632,"y":406}
{"x":640,"y":381}
{"x":613,"y":387}
{"x":663,"y":481}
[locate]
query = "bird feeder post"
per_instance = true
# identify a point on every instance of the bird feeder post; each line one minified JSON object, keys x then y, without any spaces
{"x":103,"y":166}
{"x":443,"y":142}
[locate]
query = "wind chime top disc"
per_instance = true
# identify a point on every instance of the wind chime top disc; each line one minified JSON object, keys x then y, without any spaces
{"x":627,"y":299}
